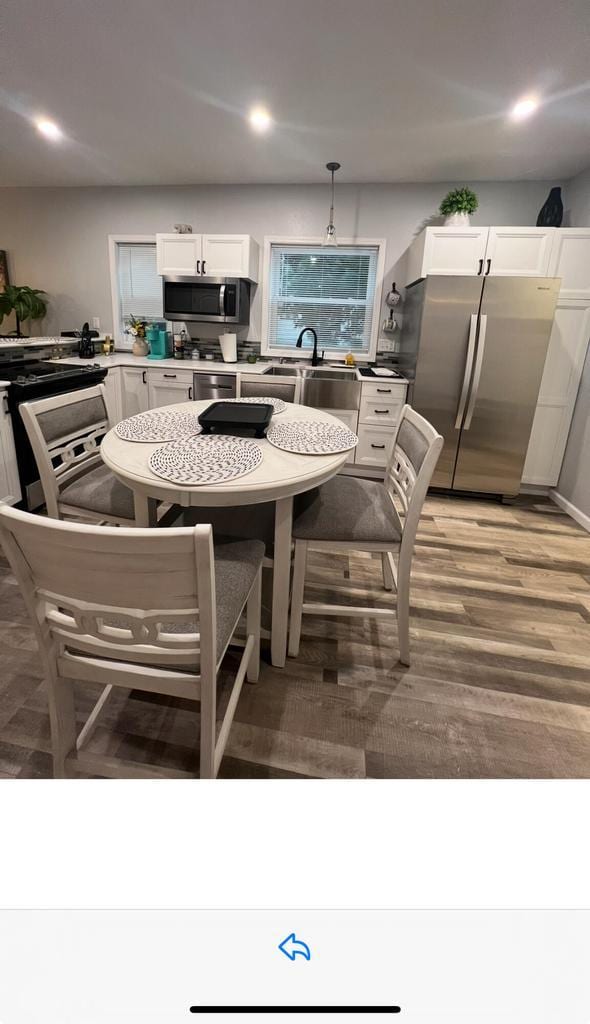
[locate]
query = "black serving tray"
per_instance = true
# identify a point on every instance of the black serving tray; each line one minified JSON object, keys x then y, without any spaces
{"x":236,"y":418}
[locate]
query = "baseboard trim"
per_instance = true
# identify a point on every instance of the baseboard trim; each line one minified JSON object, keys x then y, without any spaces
{"x":572,"y":510}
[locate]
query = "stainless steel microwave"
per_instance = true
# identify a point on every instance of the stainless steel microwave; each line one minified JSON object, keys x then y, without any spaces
{"x":220,"y":300}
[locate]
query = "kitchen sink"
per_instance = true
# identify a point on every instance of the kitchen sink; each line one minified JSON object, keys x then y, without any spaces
{"x":328,"y":388}
{"x":282,"y":371}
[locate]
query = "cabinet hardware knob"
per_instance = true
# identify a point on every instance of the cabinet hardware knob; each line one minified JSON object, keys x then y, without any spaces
{"x":383,"y":391}
{"x":143,"y":377}
{"x":488,"y":267}
{"x":203,"y":270}
{"x":377,"y":445}
{"x":190,"y":393}
{"x":198,"y":266}
{"x":382,"y":412}
{"x":480,"y":267}
{"x":172,"y":376}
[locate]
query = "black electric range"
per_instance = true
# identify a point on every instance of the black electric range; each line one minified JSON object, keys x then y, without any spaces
{"x":31,"y":378}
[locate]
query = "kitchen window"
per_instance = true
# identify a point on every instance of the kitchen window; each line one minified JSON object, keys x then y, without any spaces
{"x":337,"y":291}
{"x":135,"y":283}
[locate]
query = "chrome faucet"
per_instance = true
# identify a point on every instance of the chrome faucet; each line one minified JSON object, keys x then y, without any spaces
{"x":315,"y":359}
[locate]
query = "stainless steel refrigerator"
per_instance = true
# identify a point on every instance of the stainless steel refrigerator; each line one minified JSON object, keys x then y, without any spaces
{"x":474,"y":349}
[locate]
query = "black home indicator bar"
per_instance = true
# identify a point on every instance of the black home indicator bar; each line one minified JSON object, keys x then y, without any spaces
{"x":295,"y":1009}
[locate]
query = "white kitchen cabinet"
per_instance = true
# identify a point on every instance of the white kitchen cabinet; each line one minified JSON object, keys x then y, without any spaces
{"x":505,"y":251}
{"x":559,"y":388}
{"x":112,"y":384}
{"x":169,"y":387}
{"x":568,"y":345}
{"x":207,"y":256}
{"x":570,"y":260}
{"x":179,"y":255}
{"x":10,"y":491}
{"x":381,"y":404}
{"x":518,"y":252}
{"x":447,"y":251}
{"x":134,"y":391}
{"x":230,"y":256}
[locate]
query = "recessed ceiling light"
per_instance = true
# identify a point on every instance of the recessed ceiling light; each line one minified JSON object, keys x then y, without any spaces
{"x":524,"y":108}
{"x":49,"y":129}
{"x":260,"y":119}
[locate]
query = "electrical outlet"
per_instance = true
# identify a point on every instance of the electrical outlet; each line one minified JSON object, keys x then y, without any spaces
{"x":386,"y":345}
{"x":96,"y":323}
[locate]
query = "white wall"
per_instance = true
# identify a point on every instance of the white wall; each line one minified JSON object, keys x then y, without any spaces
{"x":574,"y":481}
{"x":57,"y":238}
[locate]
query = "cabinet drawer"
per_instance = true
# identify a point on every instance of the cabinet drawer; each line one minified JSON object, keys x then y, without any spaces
{"x":184,"y":377}
{"x":386,"y":389}
{"x":384,"y":412}
{"x":374,"y":447}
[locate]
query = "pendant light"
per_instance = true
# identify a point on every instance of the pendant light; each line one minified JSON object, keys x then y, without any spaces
{"x":330,"y":236}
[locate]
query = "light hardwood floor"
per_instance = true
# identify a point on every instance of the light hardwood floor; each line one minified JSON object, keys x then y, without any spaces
{"x":499,"y":685}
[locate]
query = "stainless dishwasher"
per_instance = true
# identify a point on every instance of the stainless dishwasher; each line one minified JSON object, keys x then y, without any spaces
{"x":214,"y":386}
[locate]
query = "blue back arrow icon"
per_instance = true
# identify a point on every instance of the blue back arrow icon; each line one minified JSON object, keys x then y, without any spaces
{"x":293,"y":947}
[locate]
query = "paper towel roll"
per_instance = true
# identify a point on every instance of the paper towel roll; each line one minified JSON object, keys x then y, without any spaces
{"x":229,"y":347}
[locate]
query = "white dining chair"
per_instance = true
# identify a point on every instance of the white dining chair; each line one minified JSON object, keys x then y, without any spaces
{"x":151,"y":610}
{"x":352,"y":513}
{"x":65,"y":433}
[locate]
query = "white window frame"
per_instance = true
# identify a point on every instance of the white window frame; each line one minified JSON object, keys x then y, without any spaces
{"x":267,"y":349}
{"x":121,"y":339}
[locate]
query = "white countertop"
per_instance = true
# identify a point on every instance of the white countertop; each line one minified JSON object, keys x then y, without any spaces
{"x":142,"y":362}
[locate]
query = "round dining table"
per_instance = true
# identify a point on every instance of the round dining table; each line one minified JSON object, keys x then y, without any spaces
{"x":278,"y":478}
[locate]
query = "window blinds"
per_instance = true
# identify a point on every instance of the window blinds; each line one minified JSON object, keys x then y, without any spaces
{"x":332,"y":290}
{"x":140,"y":286}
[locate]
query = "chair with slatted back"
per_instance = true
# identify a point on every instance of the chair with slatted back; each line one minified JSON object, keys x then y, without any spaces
{"x":151,"y":610}
{"x":354,"y":513}
{"x":65,"y":433}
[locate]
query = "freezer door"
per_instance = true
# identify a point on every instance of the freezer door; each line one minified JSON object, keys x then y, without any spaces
{"x":515,"y":324}
{"x":445,"y":348}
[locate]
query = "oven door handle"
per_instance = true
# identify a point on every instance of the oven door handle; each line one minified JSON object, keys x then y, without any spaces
{"x":222,"y":300}
{"x":467,"y":373}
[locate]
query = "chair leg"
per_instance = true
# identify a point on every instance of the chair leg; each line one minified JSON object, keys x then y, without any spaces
{"x":299,"y":565}
{"x":403,"y":612}
{"x":253,"y":614}
{"x":208,"y":722}
{"x":386,"y":569}
{"x":62,"y":717}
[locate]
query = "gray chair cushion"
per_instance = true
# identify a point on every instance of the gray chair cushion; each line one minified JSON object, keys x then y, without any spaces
{"x":347,"y":508}
{"x":412,"y":443}
{"x":100,"y":492}
{"x":236,"y":565}
{"x":69,"y":419}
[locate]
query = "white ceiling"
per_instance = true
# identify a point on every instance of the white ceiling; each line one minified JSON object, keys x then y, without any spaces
{"x":155,"y":91}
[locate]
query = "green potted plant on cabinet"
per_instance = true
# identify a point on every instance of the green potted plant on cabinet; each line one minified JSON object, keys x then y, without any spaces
{"x":457,"y":205}
{"x":26,"y":304}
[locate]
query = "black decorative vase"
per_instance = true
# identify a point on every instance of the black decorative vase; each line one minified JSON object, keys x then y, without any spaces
{"x":551,"y":213}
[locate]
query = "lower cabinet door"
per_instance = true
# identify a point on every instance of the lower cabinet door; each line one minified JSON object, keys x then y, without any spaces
{"x":168,"y":394}
{"x":375,"y":445}
{"x":134,"y":391}
{"x":10,"y":491}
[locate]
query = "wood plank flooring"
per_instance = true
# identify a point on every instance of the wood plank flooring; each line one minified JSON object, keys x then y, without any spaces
{"x":499,"y":685}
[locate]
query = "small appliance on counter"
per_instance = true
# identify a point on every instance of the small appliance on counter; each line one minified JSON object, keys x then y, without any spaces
{"x":85,"y":340}
{"x":229,"y":347}
{"x":157,"y":338}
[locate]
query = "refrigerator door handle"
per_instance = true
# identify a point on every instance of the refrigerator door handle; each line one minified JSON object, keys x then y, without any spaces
{"x":477,"y":372}
{"x":467,"y":374}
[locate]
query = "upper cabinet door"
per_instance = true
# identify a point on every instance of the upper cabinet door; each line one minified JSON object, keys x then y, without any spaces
{"x":179,"y":255}
{"x":570,"y":260}
{"x":519,"y":252}
{"x":447,"y":251}
{"x":230,"y":256}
